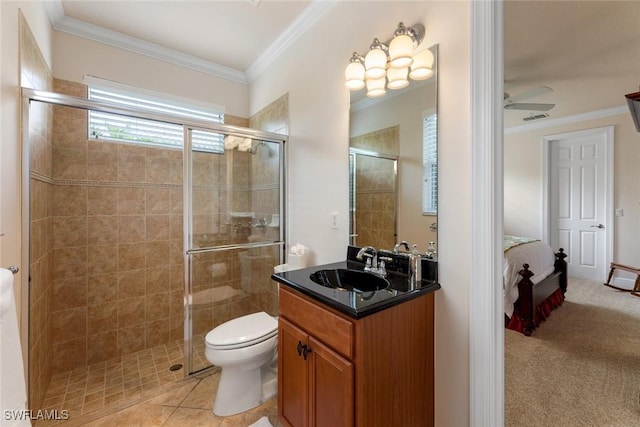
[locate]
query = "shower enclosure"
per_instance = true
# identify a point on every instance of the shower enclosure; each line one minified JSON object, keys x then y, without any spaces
{"x":133,"y":246}
{"x":373,"y":183}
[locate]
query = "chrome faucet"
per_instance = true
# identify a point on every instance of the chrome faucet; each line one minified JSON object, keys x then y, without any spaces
{"x":371,"y":254}
{"x":372,"y":264}
{"x":404,"y":243}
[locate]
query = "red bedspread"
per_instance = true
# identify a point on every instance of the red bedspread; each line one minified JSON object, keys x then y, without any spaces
{"x":542,"y":311}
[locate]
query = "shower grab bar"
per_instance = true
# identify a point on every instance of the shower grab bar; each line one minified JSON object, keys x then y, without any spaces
{"x":230,"y":247}
{"x":14,"y":269}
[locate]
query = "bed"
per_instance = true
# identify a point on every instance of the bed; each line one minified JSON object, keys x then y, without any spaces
{"x":535,"y":281}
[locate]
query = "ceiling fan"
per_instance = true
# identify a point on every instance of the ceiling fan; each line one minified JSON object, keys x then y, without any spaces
{"x":511,"y":102}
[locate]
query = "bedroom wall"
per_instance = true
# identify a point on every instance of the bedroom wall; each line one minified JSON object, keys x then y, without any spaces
{"x":311,"y":71}
{"x":523,"y":165}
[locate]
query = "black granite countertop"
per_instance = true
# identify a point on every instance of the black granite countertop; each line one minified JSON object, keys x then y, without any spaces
{"x":356,"y":304}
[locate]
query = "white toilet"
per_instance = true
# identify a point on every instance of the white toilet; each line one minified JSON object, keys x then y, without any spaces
{"x":246,"y":350}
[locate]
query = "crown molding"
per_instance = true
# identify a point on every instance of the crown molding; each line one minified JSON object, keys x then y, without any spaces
{"x":303,"y":22}
{"x":591,"y":115}
{"x":103,"y":35}
{"x":299,"y":26}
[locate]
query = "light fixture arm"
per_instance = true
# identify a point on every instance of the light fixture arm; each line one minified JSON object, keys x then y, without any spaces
{"x":377,"y":44}
{"x":416,"y":32}
{"x":356,"y":57}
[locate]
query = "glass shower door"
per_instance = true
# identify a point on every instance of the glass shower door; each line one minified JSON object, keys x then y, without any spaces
{"x":373,"y":187}
{"x":234,"y":237}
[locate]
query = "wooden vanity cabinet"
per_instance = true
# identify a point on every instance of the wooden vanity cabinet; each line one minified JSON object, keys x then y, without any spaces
{"x":334,"y":370}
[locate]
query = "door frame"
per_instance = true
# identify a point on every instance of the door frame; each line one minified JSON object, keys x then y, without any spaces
{"x":609,"y":134}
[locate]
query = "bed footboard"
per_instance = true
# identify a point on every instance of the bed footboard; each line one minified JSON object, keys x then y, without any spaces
{"x":531,"y":296}
{"x":561,"y":267}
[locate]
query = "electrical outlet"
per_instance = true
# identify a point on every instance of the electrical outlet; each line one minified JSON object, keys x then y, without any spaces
{"x":334,"y":220}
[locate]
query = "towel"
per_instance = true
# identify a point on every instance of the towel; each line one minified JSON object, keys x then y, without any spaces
{"x":13,"y":390}
{"x":297,"y":257}
{"x":245,"y":145}
{"x":231,"y":142}
{"x":262,"y":422}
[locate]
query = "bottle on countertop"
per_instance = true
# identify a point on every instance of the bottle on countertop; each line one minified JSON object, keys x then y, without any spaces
{"x":431,"y":250}
{"x":415,"y":267}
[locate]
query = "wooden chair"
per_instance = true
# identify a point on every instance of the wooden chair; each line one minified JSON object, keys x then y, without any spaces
{"x":636,"y":288}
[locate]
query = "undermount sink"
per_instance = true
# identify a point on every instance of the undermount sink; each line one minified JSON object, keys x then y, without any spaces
{"x":349,"y":280}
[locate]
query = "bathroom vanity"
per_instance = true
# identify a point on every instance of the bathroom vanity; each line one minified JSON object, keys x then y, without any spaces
{"x":354,"y":357}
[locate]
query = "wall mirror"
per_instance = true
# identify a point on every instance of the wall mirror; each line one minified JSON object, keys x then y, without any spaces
{"x":393,"y":141}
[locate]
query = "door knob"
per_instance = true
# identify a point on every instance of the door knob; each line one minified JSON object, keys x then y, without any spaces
{"x":598,"y":226}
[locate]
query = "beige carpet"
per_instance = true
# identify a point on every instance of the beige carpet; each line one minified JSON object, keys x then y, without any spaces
{"x":581,"y":367}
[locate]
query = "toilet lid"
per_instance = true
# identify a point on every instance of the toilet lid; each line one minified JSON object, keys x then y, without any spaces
{"x":244,"y":330}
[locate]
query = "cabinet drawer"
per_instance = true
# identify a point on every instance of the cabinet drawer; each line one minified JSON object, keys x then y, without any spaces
{"x":328,"y":327}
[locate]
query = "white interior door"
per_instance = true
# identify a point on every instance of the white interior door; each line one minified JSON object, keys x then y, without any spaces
{"x":580,"y":200}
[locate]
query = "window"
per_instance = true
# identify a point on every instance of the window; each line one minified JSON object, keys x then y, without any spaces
{"x":120,"y":128}
{"x":430,"y":164}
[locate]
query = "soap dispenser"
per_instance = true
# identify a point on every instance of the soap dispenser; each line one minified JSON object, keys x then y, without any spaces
{"x":415,"y":267}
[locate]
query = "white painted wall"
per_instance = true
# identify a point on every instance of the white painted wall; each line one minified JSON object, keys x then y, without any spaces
{"x":523,"y":181}
{"x":74,"y":57}
{"x":312,"y":72}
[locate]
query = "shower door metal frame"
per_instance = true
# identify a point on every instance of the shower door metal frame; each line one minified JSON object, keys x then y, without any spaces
{"x":54,"y":98}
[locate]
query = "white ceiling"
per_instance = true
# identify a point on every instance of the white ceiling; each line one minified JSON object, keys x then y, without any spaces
{"x":587,"y":51}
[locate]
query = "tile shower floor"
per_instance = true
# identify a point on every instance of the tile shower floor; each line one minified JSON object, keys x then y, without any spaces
{"x":139,"y":389}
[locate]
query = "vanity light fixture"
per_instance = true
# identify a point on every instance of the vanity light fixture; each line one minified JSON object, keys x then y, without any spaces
{"x":390,"y":64}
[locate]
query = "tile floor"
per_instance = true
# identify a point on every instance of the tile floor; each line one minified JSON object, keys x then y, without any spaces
{"x":190,"y":404}
{"x":140,"y":390}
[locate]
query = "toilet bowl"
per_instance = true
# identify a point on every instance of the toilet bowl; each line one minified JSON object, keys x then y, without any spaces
{"x":245,"y":349}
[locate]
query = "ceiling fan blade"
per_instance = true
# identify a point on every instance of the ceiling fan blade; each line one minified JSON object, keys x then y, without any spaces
{"x":531,"y":93}
{"x":528,"y":106}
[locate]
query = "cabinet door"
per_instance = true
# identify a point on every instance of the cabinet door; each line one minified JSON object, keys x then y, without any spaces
{"x":293,"y":382}
{"x":331,"y":382}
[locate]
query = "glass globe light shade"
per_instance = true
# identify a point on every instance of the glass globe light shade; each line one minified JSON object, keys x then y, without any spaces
{"x":354,"y":75}
{"x":400,"y":51}
{"x":422,"y":67}
{"x":375,"y":63}
{"x":375,"y":87}
{"x":397,"y":78}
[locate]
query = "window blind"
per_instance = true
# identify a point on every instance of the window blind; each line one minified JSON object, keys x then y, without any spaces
{"x":430,"y":164}
{"x":115,"y":127}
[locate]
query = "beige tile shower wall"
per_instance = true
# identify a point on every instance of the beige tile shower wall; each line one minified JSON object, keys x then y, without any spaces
{"x":117,"y":243}
{"x":383,"y":141}
{"x":375,"y":201}
{"x":34,"y":73}
{"x":236,"y":121}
